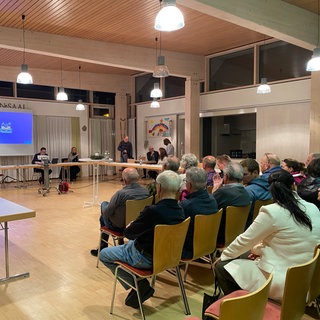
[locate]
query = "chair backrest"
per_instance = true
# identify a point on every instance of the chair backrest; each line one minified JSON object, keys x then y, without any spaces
{"x":134,"y":207}
{"x":209,"y":189}
{"x":168,"y":244}
{"x":156,"y":198}
{"x":246,"y":307}
{"x":236,"y":218}
{"x":258,"y":204}
{"x":205,"y":233}
{"x":314,"y":291}
{"x":297,"y":284}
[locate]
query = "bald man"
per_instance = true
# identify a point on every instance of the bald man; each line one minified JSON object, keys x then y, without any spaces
{"x":113,"y":213}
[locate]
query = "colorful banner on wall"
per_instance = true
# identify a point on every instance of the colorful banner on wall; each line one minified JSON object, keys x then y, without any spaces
{"x":159,"y":127}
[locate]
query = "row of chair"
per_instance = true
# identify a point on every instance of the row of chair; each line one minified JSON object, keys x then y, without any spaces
{"x":302,"y":286}
{"x":169,"y":240}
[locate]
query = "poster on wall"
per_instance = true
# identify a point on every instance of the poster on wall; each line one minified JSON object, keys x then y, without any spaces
{"x":159,"y":127}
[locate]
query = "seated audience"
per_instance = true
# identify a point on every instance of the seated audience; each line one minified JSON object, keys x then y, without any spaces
{"x":188,"y":161}
{"x":113,"y":213}
{"x":258,"y":188}
{"x":162,"y":155}
{"x":285,"y":233}
{"x":308,"y":188}
{"x":152,"y":155}
{"x":222,"y":161}
{"x":269,"y":163}
{"x":198,"y":201}
{"x":311,"y":156}
{"x":231,"y":193}
{"x":37,"y":160}
{"x":209,"y":164}
{"x":295,"y":168}
{"x":171,"y":163}
{"x":138,"y":251}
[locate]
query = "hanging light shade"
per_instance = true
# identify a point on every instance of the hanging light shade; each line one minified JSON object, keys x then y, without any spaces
{"x":156,"y":91}
{"x":80,"y":106}
{"x":160,"y":70}
{"x":24,"y":77}
{"x":155,"y":104}
{"x":169,"y":18}
{"x":62,"y":96}
{"x":264,"y":87}
{"x":314,"y":63}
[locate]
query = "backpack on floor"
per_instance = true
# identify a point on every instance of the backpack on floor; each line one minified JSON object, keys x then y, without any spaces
{"x":63,"y":187}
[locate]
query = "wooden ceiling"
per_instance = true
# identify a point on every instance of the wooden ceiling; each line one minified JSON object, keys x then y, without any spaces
{"x":127,"y":22}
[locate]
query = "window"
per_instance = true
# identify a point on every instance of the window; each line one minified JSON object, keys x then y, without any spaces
{"x":231,"y":70}
{"x":106,"y":112}
{"x":280,"y":60}
{"x":104,"y":97}
{"x":174,"y":87}
{"x":6,"y":89}
{"x":34,"y":91}
{"x":74,"y":95}
{"x":143,"y":86}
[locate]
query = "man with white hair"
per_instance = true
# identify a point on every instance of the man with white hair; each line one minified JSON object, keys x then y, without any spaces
{"x":113,"y":213}
{"x":138,"y":252}
{"x":198,"y":201}
{"x":231,"y":193}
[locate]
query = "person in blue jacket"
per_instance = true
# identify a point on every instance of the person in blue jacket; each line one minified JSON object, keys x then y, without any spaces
{"x":256,"y":186}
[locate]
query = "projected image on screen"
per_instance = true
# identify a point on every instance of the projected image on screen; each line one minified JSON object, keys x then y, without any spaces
{"x":15,"y":128}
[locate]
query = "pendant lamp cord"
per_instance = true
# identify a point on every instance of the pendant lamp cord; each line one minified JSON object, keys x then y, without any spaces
{"x":61,"y":72}
{"x":23,"y":37}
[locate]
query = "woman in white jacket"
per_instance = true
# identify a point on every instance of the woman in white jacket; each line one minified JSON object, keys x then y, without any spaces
{"x":284,"y":234}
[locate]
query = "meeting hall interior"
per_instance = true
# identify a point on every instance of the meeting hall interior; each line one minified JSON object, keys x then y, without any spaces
{"x":104,"y":58}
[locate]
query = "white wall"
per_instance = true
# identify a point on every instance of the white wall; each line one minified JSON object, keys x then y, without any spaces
{"x":282,"y":116}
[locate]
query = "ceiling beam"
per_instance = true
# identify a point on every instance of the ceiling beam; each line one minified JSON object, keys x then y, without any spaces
{"x":274,"y":18}
{"x":103,"y":53}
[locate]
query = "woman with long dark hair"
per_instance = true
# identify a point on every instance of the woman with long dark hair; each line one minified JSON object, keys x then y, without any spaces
{"x":284,"y":234}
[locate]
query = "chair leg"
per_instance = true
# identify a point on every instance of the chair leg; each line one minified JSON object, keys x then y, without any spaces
{"x":99,"y":247}
{"x":185,"y":272}
{"x":114,"y":290}
{"x":139,"y":297}
{"x":183,"y":292}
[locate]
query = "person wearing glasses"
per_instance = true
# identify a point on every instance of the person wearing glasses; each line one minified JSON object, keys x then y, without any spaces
{"x":269,"y":163}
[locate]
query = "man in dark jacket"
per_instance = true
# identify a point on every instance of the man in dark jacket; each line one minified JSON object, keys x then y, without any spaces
{"x":257,"y":187}
{"x":125,"y":148}
{"x":113,"y":213}
{"x":231,"y":193}
{"x":138,"y":251}
{"x":198,"y":201}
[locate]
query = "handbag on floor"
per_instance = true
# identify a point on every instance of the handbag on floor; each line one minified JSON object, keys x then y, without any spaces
{"x":208,"y":299}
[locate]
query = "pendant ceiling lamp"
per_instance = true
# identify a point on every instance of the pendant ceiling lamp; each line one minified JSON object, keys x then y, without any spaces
{"x":155,"y":104}
{"x":263,"y":87}
{"x":61,"y":96}
{"x":24,"y":77}
{"x":160,"y":70}
{"x":80,"y":106}
{"x":156,"y":91}
{"x":169,"y":18}
{"x":314,"y":63}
